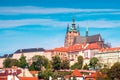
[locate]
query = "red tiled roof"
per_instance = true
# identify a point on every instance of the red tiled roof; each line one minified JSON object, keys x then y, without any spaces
{"x":93,"y":75}
{"x":92,"y":46}
{"x":62,"y":49}
{"x":28,"y":78}
{"x":76,"y":73}
{"x":77,"y":47}
{"x":3,"y":77}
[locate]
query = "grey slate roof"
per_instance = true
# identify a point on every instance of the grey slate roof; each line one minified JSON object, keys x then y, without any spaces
{"x":29,"y":50}
{"x":79,"y":40}
{"x":88,"y":39}
{"x":94,"y":38}
{"x":6,"y":56}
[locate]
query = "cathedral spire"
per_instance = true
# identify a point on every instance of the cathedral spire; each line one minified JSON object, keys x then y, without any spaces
{"x":78,"y":29}
{"x":73,"y":20}
{"x":67,"y":27}
{"x":87,"y":31}
{"x":73,"y":23}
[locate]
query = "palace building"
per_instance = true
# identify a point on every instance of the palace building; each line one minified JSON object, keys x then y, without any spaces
{"x":73,"y":37}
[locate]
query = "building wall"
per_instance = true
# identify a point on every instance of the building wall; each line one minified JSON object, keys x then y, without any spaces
{"x":31,"y":54}
{"x":1,"y":62}
{"x":28,"y":55}
{"x":62,"y":55}
{"x":108,"y":58}
{"x":48,"y":55}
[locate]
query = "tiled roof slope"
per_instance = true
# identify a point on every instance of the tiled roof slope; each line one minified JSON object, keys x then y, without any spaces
{"x":30,"y":50}
{"x":76,"y":73}
{"x":94,"y":38}
{"x":78,"y":47}
{"x":88,"y":39}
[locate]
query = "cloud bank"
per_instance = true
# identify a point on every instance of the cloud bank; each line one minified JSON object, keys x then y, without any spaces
{"x":56,"y":23}
{"x":44,"y":10}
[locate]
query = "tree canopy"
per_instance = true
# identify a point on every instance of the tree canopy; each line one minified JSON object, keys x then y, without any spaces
{"x":22,"y":61}
{"x":8,"y":62}
{"x":65,"y":64}
{"x":93,"y":62}
{"x":79,"y":64}
{"x":39,"y":62}
{"x":114,"y":72}
{"x":56,"y":63}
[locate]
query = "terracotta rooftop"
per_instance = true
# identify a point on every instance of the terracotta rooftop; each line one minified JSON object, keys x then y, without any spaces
{"x":78,"y":47}
{"x":76,"y":73}
{"x":93,"y":75}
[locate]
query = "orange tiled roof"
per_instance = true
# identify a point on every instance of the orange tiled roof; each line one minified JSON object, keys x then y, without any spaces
{"x":93,"y":75}
{"x":76,"y":73}
{"x":3,"y":77}
{"x":28,"y":78}
{"x":77,"y":47}
{"x":92,"y":46}
{"x":62,"y":49}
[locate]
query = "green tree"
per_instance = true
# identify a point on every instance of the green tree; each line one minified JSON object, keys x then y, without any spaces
{"x":45,"y":74}
{"x":79,"y":64}
{"x":7,"y":63}
{"x":74,"y":78}
{"x":56,"y":63}
{"x":86,"y":67}
{"x":80,"y":61}
{"x":14,"y":62}
{"x":102,"y":74}
{"x":65,"y":64}
{"x":22,"y":61}
{"x":114,"y":72}
{"x":32,"y":67}
{"x":93,"y":62}
{"x":40,"y":61}
{"x":75,"y":66}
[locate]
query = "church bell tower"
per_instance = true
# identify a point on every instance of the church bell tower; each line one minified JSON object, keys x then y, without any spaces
{"x":71,"y":33}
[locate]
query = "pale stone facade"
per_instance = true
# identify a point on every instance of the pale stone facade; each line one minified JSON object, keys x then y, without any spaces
{"x":28,"y":55}
{"x":1,"y":62}
{"x":108,"y":58}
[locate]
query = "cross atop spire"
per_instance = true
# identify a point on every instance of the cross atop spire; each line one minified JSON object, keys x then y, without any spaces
{"x":73,"y":21}
{"x":86,"y":31}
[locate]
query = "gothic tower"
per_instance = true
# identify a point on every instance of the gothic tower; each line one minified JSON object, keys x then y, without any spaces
{"x":71,"y":33}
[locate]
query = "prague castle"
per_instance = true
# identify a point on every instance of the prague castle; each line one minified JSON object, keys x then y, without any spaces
{"x":75,"y":45}
{"x":73,"y":37}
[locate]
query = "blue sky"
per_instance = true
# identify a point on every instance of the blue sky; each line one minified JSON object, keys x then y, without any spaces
{"x":42,"y":23}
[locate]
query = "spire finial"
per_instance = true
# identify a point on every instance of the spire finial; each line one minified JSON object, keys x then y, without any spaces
{"x":73,"y":20}
{"x":67,"y":27}
{"x":86,"y":31}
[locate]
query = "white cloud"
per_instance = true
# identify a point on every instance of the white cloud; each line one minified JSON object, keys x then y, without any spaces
{"x":100,"y":23}
{"x":99,"y":13}
{"x":15,"y":23}
{"x":55,"y":23}
{"x":43,"y":10}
